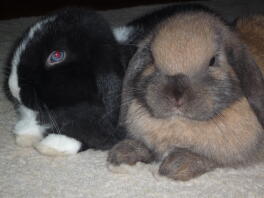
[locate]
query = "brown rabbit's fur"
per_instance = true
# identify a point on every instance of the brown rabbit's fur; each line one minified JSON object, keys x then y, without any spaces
{"x":228,"y":138}
{"x":232,"y":137}
{"x":172,"y":37}
{"x":251,"y":31}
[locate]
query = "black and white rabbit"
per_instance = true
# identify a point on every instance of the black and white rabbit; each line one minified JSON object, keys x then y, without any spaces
{"x":65,"y":75}
{"x":184,"y":101}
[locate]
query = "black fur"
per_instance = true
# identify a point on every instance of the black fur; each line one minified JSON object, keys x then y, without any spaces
{"x":79,"y":97}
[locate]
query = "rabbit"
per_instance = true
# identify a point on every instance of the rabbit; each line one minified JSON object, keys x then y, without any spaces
{"x":138,"y":30}
{"x":251,"y":30}
{"x":184,"y":99}
{"x":65,"y":77}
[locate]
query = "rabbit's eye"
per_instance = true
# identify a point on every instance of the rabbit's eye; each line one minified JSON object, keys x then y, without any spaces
{"x":56,"y":57}
{"x":212,"y":61}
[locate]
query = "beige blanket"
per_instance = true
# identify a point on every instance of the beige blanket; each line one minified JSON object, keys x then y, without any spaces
{"x":25,"y":173}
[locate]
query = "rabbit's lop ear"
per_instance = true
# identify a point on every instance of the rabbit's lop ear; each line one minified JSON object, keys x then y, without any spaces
{"x":249,"y":74}
{"x":140,"y":59}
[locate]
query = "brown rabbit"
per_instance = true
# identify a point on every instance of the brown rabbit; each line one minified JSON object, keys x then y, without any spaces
{"x":182,"y":100}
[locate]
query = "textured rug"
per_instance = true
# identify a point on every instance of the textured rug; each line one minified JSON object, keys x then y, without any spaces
{"x":25,"y":173}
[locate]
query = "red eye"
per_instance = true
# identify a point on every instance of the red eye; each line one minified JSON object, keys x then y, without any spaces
{"x":57,"y":54}
{"x":56,"y":57}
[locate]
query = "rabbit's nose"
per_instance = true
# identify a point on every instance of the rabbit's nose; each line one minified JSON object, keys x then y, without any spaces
{"x":178,"y":102}
{"x":176,"y":88}
{"x":177,"y":94}
{"x":174,"y":96}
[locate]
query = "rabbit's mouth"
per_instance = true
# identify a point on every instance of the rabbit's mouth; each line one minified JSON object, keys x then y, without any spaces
{"x":194,"y":109}
{"x":176,"y":114}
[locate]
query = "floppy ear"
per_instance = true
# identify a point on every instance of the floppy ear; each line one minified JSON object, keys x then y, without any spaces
{"x":140,"y":59}
{"x":250,"y":76}
{"x":138,"y":62}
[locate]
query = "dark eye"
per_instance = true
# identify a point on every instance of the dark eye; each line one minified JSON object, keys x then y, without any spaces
{"x":56,"y":57}
{"x":212,"y":61}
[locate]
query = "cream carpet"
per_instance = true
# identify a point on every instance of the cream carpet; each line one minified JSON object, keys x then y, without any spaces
{"x":24,"y":173}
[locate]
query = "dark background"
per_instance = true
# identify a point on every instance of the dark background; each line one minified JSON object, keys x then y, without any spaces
{"x":15,"y":8}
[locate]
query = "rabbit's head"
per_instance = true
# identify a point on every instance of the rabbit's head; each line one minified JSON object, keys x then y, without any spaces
{"x":61,"y":58}
{"x":189,"y":73}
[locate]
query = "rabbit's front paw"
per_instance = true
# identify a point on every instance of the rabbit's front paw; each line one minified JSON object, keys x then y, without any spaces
{"x":56,"y":144}
{"x":129,"y":152}
{"x":184,"y":165}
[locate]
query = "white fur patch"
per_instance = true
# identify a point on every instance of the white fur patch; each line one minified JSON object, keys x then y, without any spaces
{"x":27,"y":129}
{"x":13,"y":78}
{"x":28,"y":124}
{"x":57,"y":144}
{"x":122,"y":33}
